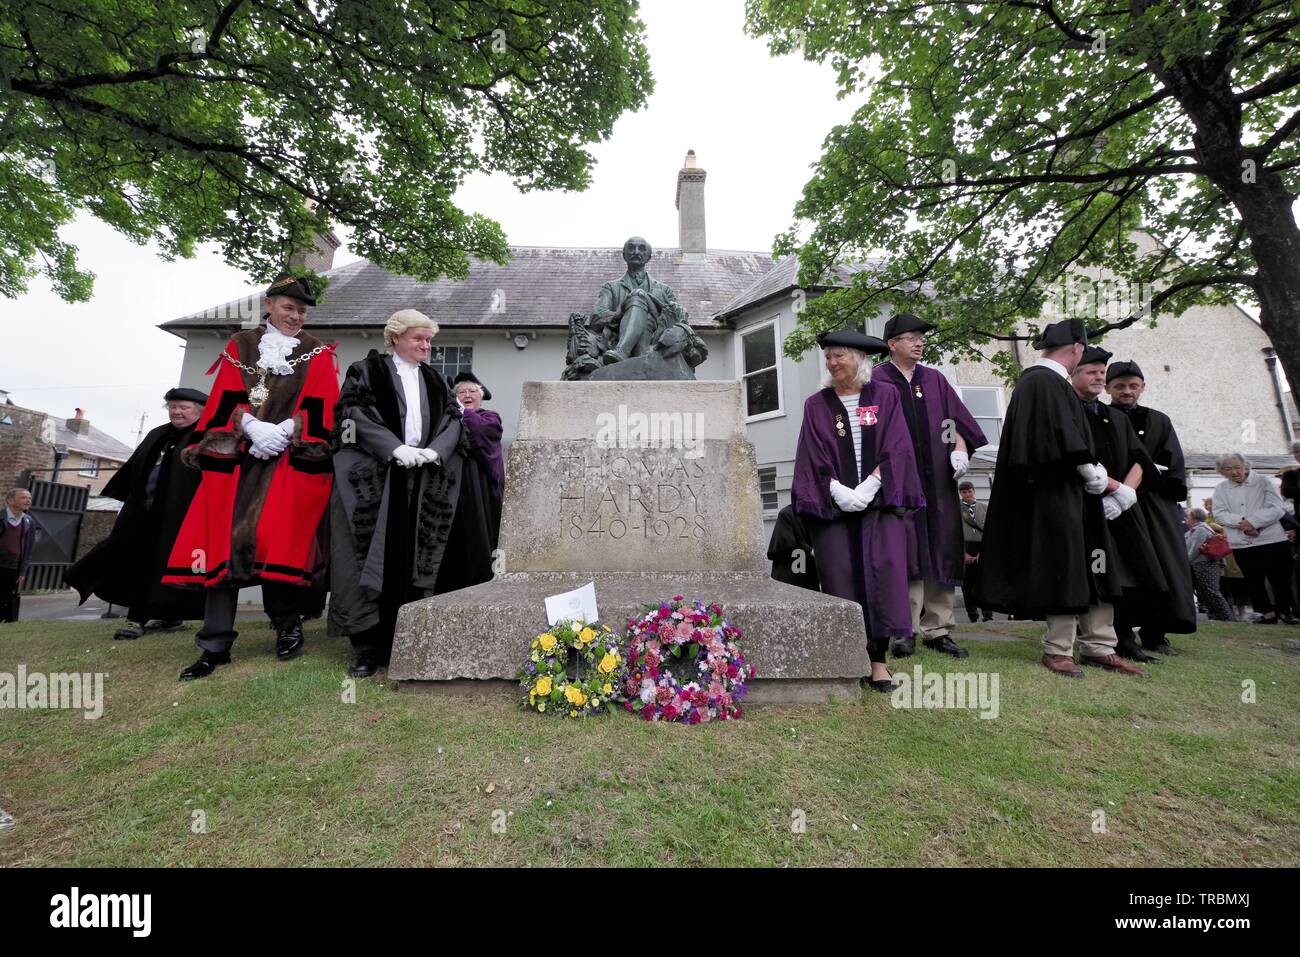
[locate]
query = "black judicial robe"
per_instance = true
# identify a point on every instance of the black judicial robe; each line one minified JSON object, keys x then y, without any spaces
{"x":790,"y":536}
{"x":1118,"y":449}
{"x":1044,"y":534}
{"x":127,"y":567}
{"x":1162,"y":504}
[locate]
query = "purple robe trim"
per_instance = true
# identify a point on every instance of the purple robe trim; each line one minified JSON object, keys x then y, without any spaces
{"x":484,"y":429}
{"x":936,"y":550}
{"x":861,"y":556}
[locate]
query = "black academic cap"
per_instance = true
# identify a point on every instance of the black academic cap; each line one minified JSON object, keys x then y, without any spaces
{"x":295,"y":287}
{"x":1094,"y":354}
{"x":1118,"y":370}
{"x":905,"y":322}
{"x":851,"y":339}
{"x":471,"y":377}
{"x":1063,"y":333}
{"x":186,"y":395}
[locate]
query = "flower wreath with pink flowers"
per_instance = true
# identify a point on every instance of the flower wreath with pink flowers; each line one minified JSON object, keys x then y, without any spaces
{"x":684,"y":664}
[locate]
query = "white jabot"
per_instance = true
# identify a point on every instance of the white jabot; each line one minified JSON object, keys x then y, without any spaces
{"x":274,"y":348}
{"x":850,"y":403}
{"x":409,"y":373}
{"x":1054,"y":366}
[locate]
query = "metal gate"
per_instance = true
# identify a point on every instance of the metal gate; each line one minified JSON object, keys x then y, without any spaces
{"x":56,"y":512}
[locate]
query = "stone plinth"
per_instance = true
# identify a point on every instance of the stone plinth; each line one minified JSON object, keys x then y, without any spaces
{"x":650,"y":490}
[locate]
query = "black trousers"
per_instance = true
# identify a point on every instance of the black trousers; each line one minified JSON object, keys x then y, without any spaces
{"x":8,"y":594}
{"x":970,"y":583}
{"x":283,"y":603}
{"x":1272,"y":564}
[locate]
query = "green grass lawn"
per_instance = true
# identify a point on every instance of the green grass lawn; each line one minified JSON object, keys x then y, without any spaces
{"x":287,"y":773}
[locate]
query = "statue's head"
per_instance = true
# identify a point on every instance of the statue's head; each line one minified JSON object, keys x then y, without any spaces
{"x":637,"y":250}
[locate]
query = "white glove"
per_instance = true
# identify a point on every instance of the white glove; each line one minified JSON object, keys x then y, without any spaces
{"x":1111,"y":507}
{"x":287,"y":427}
{"x":1094,"y":478}
{"x":406,"y":457}
{"x":267,"y":438}
{"x":847,"y":499}
{"x":428,"y":456}
{"x":1125,"y":497}
{"x":868,"y":489}
{"x":960,"y":463}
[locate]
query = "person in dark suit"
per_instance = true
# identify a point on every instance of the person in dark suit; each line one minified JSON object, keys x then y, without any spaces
{"x":17,"y":535}
{"x":974,"y":514}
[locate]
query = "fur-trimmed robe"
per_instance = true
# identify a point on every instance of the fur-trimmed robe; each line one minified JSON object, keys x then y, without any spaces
{"x":370,"y":424}
{"x":255,"y":521}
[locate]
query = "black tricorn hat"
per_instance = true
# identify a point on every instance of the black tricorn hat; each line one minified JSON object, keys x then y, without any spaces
{"x":1118,"y":370}
{"x":295,"y":287}
{"x":1094,"y":354}
{"x":851,"y":339}
{"x":905,"y":322}
{"x":186,"y":395}
{"x":471,"y":377}
{"x":1063,"y":333}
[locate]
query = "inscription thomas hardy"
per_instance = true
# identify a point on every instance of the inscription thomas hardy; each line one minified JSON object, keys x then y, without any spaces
{"x":645,"y":494}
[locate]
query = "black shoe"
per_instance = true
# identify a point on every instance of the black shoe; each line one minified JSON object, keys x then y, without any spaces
{"x":988,"y":617}
{"x":883,"y":685}
{"x":947,"y":646}
{"x":1289,"y":619}
{"x":289,"y":640}
{"x":130,"y":633}
{"x":1132,"y":652}
{"x":363,"y":665}
{"x":162,"y":627}
{"x":206,"y":664}
{"x":904,"y":647}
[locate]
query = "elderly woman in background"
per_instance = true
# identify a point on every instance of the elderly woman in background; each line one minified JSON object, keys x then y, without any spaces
{"x":854,"y":479}
{"x":1206,"y":569}
{"x":1249,"y":508}
{"x":484,"y":464}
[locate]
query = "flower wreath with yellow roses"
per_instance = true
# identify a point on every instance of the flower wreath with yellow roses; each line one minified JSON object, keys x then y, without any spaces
{"x":572,"y":669}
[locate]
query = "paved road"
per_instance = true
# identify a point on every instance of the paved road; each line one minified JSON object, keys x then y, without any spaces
{"x":62,"y":606}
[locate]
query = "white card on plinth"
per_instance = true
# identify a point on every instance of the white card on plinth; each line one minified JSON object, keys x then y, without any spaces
{"x":579,"y":604}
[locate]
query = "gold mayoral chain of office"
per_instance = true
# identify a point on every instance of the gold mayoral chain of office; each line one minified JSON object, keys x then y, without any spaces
{"x":257,"y":395}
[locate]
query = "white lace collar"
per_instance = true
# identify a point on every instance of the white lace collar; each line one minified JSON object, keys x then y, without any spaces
{"x":274,"y":348}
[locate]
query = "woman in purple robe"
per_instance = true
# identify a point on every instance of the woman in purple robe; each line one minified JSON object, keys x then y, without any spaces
{"x":483,"y":427}
{"x":854,"y":479}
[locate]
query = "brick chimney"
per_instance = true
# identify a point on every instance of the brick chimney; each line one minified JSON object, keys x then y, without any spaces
{"x":320,"y":258}
{"x":79,"y":423}
{"x":690,"y":210}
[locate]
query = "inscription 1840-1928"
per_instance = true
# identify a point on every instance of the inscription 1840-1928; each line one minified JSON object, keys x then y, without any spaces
{"x":647,"y":494}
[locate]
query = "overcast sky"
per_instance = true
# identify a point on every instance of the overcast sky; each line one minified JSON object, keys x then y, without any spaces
{"x":756,"y":125}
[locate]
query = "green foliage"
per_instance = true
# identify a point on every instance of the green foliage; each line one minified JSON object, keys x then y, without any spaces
{"x":254,"y":123}
{"x":1003,"y":145}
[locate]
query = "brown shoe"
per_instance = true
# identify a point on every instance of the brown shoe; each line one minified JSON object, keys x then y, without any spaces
{"x":1113,"y":663}
{"x":1062,"y":665}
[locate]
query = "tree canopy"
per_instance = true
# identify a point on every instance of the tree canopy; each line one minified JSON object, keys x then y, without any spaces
{"x":1004,"y":146}
{"x":255,"y":123}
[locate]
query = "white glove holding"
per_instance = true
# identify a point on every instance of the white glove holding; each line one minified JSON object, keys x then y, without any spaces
{"x":267,"y":438}
{"x":868,"y":489}
{"x":847,"y":499}
{"x":1094,"y":478}
{"x":287,"y":427}
{"x":1125,"y":497}
{"x":1111,"y":507}
{"x":960,"y":463}
{"x":406,"y":457}
{"x":429,"y":457}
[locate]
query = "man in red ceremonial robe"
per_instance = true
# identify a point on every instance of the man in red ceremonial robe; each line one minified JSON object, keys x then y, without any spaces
{"x":258,"y":516}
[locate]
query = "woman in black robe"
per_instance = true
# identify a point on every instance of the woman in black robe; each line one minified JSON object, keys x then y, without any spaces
{"x":155,"y":489}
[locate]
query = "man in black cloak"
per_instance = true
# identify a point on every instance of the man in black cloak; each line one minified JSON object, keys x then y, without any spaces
{"x":1162,"y":502}
{"x":155,"y":489}
{"x":1046,"y":550}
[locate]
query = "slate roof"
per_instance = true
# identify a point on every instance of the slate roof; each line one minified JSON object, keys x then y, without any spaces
{"x":539,"y":287}
{"x":784,"y":277}
{"x":96,"y":442}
